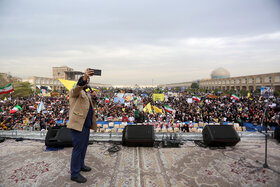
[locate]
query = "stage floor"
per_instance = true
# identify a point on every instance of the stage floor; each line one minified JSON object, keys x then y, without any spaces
{"x":26,"y":163}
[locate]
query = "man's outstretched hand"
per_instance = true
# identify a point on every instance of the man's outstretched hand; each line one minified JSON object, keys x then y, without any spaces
{"x":88,"y":73}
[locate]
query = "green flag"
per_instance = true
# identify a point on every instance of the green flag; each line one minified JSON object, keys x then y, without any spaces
{"x":18,"y":107}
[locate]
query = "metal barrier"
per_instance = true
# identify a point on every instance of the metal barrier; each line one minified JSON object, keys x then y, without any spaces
{"x":117,"y":136}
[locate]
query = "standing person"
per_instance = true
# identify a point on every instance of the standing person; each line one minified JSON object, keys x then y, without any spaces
{"x":81,"y":119}
{"x":125,"y":118}
{"x":137,"y":116}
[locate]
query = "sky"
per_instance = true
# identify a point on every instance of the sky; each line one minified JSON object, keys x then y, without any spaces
{"x":140,"y":41}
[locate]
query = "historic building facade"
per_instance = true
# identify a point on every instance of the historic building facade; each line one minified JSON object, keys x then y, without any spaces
{"x":248,"y":82}
{"x":186,"y":85}
{"x":221,"y":79}
{"x":53,"y":83}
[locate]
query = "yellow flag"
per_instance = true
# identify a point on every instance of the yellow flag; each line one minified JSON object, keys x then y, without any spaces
{"x":145,"y":109}
{"x":158,"y":97}
{"x":248,"y":95}
{"x":157,"y":110}
{"x":148,"y":108}
{"x":68,"y":84}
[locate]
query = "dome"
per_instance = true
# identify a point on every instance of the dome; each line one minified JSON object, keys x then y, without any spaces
{"x":220,"y":73}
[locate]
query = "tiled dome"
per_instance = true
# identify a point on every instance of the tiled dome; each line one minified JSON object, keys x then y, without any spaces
{"x":220,"y":73}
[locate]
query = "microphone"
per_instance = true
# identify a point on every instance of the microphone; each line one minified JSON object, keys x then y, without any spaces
{"x":87,"y":87}
{"x":92,"y":96}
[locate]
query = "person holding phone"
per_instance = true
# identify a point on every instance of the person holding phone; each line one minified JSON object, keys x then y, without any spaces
{"x":82,"y":118}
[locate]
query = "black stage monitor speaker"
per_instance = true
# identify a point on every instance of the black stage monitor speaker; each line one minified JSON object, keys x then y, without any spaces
{"x":138,"y":135}
{"x":220,"y":135}
{"x":50,"y":139}
{"x":2,"y":139}
{"x":59,"y":137}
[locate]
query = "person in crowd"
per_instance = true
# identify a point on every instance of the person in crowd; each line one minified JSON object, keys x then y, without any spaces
{"x":185,"y":128}
{"x":246,"y":110}
{"x":131,"y":118}
{"x":125,"y":118}
{"x":37,"y":125}
{"x":137,"y":116}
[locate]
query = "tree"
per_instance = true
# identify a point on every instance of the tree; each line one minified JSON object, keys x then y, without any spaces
{"x":217,"y":91}
{"x":276,"y":93}
{"x":244,"y":92}
{"x":178,"y":89}
{"x":257,"y":92}
{"x":22,"y":89}
{"x":194,"y":85}
{"x":156,"y":90}
{"x":203,"y":90}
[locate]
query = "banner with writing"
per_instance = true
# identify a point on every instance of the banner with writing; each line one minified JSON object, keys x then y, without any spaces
{"x":158,"y":97}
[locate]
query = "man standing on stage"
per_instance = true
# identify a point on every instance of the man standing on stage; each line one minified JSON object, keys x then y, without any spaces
{"x":81,"y":119}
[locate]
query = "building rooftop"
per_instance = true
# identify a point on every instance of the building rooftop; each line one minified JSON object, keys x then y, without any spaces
{"x":220,"y":73}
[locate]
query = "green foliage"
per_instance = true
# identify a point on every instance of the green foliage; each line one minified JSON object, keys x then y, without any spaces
{"x":37,"y":91}
{"x":156,"y":90}
{"x":22,"y":89}
{"x":178,"y":89}
{"x":194,"y":85}
{"x":228,"y":92}
{"x":191,"y":90}
{"x":276,"y":93}
{"x":244,"y":93}
{"x":217,"y":90}
{"x":257,"y":92}
{"x":203,"y":90}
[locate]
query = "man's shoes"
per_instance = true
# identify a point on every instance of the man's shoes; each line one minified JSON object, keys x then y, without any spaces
{"x":79,"y":179}
{"x":86,"y":169}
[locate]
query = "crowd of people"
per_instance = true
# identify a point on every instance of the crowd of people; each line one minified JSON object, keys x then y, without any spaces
{"x":28,"y":118}
{"x":218,"y":109}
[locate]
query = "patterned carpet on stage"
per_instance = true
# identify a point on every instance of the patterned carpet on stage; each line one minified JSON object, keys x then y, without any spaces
{"x":26,"y":163}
